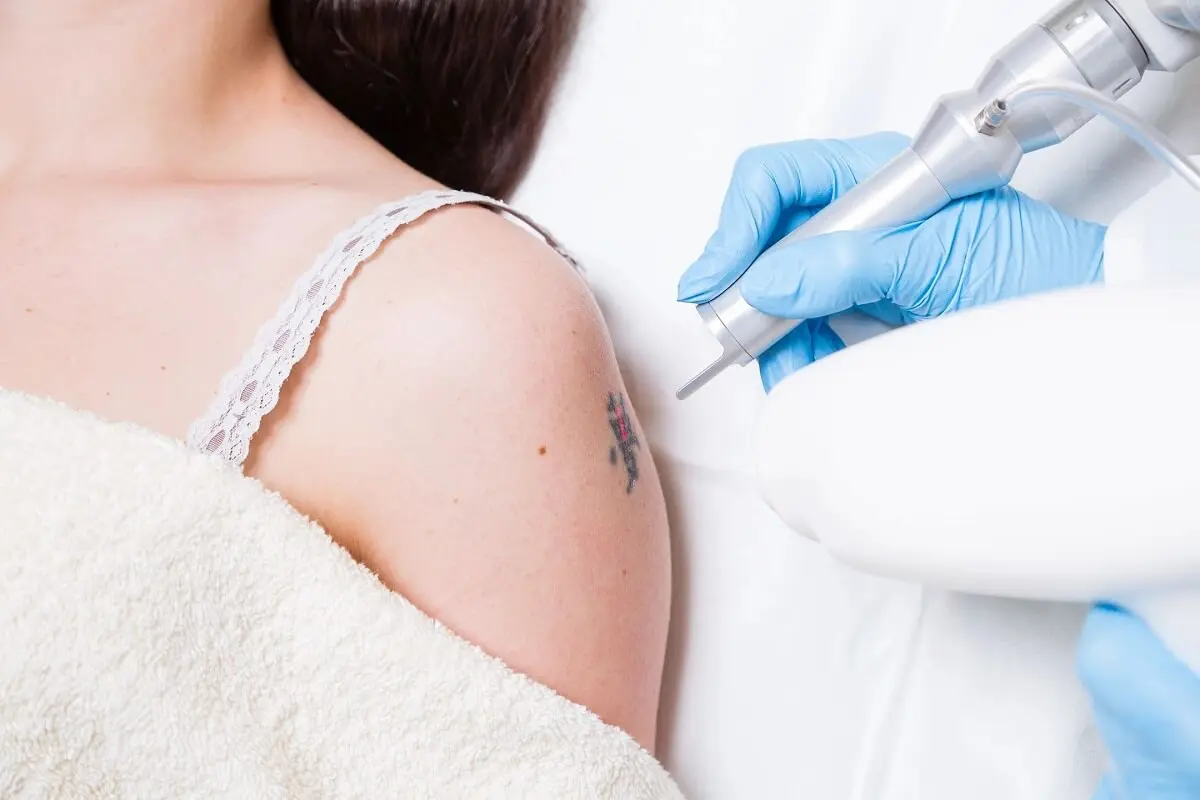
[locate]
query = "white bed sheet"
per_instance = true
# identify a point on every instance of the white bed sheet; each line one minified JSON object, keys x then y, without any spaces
{"x":788,"y":675}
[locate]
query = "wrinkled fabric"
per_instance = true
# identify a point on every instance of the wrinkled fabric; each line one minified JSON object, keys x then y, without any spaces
{"x":172,"y":629}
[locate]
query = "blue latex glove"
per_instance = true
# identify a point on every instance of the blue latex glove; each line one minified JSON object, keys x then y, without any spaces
{"x":1147,"y":707}
{"x":994,"y":245}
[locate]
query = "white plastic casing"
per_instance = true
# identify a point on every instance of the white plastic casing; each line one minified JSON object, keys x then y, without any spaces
{"x":1044,"y":448}
{"x":1179,"y":13}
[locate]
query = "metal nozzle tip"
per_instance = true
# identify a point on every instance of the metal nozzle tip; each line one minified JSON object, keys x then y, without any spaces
{"x":707,"y":374}
{"x":992,"y":117}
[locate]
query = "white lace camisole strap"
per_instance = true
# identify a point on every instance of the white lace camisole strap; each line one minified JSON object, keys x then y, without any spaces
{"x":251,"y":390}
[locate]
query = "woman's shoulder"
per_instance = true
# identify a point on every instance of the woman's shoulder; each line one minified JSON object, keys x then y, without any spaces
{"x":451,"y":284}
{"x":443,"y":245}
{"x":462,"y":427}
{"x":466,"y":276}
{"x":460,"y":312}
{"x":446,"y":271}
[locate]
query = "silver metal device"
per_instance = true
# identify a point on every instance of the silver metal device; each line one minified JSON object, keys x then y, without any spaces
{"x":1105,"y":46}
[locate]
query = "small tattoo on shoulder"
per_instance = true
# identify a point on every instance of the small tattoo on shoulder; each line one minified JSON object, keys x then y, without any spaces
{"x":625,"y":451}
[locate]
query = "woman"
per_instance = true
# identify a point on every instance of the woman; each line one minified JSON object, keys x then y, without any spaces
{"x":459,"y":425}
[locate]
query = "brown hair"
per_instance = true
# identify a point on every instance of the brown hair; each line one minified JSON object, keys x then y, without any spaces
{"x":458,"y":89}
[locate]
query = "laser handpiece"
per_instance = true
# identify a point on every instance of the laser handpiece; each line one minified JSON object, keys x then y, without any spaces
{"x":1102,"y":45}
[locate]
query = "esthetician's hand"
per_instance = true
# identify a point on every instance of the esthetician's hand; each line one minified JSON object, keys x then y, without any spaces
{"x":994,"y":245}
{"x":1147,"y":706}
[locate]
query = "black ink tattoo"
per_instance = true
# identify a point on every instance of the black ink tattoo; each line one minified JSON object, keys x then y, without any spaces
{"x":627,"y":444}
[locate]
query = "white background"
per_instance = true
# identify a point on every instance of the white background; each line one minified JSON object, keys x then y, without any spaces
{"x":789,"y":676}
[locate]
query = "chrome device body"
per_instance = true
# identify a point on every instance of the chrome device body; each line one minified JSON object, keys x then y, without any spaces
{"x":1105,"y":45}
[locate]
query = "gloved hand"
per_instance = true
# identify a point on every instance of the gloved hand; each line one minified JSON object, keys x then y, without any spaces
{"x":1147,"y":707}
{"x":991,"y":246}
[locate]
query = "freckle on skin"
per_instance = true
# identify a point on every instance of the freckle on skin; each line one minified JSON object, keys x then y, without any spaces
{"x":29,"y":311}
{"x":542,"y":450}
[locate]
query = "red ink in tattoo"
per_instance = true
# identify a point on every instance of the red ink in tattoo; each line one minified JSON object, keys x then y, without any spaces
{"x":627,"y":442}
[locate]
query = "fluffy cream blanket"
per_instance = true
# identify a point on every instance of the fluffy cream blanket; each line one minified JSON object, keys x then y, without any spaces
{"x":170,"y":629}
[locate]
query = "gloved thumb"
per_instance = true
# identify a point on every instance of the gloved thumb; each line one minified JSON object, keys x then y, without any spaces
{"x":1146,"y":703}
{"x":825,"y":275}
{"x":810,"y":341}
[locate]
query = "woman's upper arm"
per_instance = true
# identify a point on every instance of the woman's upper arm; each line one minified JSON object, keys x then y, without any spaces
{"x":506,"y":486}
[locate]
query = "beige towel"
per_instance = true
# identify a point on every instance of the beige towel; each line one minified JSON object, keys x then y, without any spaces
{"x":170,"y":629}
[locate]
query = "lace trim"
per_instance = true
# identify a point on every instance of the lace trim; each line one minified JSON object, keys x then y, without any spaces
{"x":251,"y":391}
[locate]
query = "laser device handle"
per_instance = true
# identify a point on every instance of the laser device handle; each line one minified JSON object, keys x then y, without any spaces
{"x":1088,"y":43}
{"x":904,"y":190}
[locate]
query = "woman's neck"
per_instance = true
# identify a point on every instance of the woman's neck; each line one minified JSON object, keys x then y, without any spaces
{"x":131,"y":85}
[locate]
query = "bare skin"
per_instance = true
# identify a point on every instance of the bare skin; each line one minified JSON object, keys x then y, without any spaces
{"x":165,"y":177}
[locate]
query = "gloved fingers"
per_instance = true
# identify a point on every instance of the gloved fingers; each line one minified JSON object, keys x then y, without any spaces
{"x":811,"y":341}
{"x":775,"y":189}
{"x":826,"y":274}
{"x":826,"y":341}
{"x":887,"y":312}
{"x":1146,"y":703}
{"x":791,"y":220}
{"x":1127,"y":669}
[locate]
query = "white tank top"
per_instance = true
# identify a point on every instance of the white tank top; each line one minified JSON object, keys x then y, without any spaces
{"x":251,"y":390}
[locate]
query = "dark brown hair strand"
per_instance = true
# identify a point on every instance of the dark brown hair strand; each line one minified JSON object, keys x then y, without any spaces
{"x":458,"y":89}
